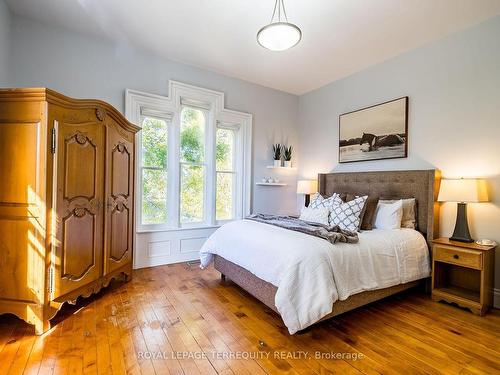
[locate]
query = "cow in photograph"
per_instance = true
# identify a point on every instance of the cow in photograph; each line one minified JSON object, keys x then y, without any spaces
{"x":376,"y":141}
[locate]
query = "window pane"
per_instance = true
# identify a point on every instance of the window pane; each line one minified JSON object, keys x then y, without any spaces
{"x":225,"y":147}
{"x":192,"y":135}
{"x":154,"y":196}
{"x":192,"y":193}
{"x":224,"y":200}
{"x":154,"y":143}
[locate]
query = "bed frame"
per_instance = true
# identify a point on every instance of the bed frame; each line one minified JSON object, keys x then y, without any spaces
{"x":423,"y":185}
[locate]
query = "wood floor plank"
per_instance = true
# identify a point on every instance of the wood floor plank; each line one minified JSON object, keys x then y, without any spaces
{"x":89,"y":359}
{"x":158,"y":321}
{"x":19,"y":363}
{"x":13,"y":350}
{"x":50,"y":352}
{"x":34,"y":360}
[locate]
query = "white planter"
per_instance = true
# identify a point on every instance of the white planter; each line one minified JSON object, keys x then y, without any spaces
{"x":288,"y":164}
{"x":277,"y":163}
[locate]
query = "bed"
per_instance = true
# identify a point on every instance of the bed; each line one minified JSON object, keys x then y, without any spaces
{"x":423,"y":185}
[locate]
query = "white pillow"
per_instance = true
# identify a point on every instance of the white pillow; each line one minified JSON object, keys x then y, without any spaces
{"x":315,"y":215}
{"x":409,"y":212}
{"x":388,"y":215}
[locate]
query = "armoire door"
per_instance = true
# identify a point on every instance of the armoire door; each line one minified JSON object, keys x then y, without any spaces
{"x":119,"y":195}
{"x":79,"y":172}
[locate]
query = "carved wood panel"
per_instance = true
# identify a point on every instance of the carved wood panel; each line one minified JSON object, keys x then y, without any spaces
{"x":119,"y":225}
{"x":120,"y":165}
{"x":78,"y":256}
{"x":119,"y":221}
{"x":80,"y":190}
{"x":80,"y":166}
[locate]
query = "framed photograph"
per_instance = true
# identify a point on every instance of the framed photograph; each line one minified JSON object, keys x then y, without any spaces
{"x":374,"y":133}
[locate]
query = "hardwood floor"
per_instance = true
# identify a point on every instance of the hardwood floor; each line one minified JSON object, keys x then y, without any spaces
{"x":179,"y":319}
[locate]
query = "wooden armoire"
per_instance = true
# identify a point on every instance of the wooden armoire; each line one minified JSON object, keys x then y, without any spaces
{"x":66,"y":201}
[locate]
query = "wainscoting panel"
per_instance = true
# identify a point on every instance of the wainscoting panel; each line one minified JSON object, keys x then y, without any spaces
{"x":166,"y":247}
{"x":158,"y":249}
{"x":189,"y":245}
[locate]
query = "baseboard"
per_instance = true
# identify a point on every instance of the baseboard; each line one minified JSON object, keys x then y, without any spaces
{"x":496,"y":298}
{"x":160,"y":261}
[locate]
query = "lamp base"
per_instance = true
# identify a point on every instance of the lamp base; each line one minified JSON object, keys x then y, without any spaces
{"x":307,"y":200}
{"x":461,"y":232}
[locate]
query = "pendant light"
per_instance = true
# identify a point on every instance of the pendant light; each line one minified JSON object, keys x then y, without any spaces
{"x":279,"y":34}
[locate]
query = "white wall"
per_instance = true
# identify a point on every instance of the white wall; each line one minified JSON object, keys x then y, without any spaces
{"x":83,"y":66}
{"x":4,"y":43}
{"x":454,"y":117}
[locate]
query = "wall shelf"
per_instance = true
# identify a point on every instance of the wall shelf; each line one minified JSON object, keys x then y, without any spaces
{"x":271,"y":183}
{"x":273,"y":167}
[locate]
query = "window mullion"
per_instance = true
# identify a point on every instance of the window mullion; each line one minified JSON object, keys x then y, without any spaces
{"x":211,"y":175}
{"x":173,"y":187}
{"x":238,"y":164}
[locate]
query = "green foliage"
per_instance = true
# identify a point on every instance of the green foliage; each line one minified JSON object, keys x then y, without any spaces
{"x":154,"y":196}
{"x":225,"y":181}
{"x":154,"y":142}
{"x":224,"y":150}
{"x":224,"y":202}
{"x":192,"y":136}
{"x":277,"y":148}
{"x":192,"y":176}
{"x":287,"y":153}
{"x":154,"y":182}
{"x":192,"y":193}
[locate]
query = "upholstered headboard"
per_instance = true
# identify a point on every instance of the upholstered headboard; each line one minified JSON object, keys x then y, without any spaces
{"x":422,"y":185}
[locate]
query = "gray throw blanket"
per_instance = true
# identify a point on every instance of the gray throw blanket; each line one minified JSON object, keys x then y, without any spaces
{"x":331,"y":234}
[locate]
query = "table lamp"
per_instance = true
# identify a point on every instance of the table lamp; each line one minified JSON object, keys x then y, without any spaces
{"x":307,"y":187}
{"x":462,"y":191}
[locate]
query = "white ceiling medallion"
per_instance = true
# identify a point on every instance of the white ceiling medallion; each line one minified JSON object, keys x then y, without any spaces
{"x":279,"y":35}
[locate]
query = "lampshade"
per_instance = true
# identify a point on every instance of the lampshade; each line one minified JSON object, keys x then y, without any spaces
{"x":307,"y":186}
{"x":279,"y":36}
{"x":463,"y":190}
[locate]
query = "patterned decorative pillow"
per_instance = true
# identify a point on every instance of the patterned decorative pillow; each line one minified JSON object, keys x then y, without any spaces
{"x":317,"y":200}
{"x":348,"y":215}
{"x":315,"y":215}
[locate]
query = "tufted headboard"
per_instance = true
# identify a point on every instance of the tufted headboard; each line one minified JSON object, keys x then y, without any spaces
{"x":422,"y":185}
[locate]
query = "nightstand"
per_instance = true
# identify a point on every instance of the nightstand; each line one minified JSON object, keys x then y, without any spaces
{"x":462,"y":273}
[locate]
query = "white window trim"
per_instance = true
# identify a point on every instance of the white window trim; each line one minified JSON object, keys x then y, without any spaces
{"x":139,"y":104}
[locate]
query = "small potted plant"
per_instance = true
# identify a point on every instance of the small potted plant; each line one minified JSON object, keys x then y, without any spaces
{"x":287,"y":155}
{"x":277,"y":148}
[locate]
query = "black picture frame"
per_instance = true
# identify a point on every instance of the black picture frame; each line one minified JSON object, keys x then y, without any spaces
{"x":392,"y":149}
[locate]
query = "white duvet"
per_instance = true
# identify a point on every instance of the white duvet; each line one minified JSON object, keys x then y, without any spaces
{"x":310,"y":273}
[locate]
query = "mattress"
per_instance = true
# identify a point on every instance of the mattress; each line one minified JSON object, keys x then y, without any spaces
{"x":310,"y":273}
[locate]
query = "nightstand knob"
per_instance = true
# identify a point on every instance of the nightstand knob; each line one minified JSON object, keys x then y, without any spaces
{"x":456,"y":256}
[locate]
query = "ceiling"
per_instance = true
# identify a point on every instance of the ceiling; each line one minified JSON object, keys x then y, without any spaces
{"x":340,"y":37}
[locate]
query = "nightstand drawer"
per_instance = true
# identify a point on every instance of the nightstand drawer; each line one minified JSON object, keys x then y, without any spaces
{"x":461,"y":257}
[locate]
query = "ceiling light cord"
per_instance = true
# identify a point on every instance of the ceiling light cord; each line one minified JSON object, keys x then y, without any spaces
{"x":284,"y":10}
{"x":279,"y":5}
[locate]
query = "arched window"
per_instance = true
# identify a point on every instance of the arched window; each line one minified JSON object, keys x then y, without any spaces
{"x":193,"y":170}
